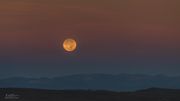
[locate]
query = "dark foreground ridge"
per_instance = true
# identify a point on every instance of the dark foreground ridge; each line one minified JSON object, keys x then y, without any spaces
{"x":152,"y":94}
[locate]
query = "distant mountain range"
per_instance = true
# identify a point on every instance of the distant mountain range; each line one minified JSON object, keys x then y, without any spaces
{"x":151,"y":94}
{"x":122,"y":82}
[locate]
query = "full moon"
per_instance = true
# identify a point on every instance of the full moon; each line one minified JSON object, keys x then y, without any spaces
{"x":69,"y":44}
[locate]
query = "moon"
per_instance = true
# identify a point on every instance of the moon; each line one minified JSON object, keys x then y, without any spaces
{"x":70,"y":45}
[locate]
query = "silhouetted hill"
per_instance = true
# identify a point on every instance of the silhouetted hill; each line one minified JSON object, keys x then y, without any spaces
{"x":122,"y":82}
{"x":153,"y":94}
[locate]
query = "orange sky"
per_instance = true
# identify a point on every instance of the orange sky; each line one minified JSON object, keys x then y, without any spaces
{"x":114,"y":36}
{"x":135,"y":27}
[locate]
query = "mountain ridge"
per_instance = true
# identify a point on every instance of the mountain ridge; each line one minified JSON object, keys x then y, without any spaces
{"x":121,"y":82}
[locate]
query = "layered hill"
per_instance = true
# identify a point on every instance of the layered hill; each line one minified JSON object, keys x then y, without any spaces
{"x":122,"y":82}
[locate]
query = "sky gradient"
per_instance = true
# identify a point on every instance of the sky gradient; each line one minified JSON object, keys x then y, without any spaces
{"x":114,"y":36}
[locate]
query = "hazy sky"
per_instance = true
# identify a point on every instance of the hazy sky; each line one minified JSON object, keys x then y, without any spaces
{"x":114,"y":36}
